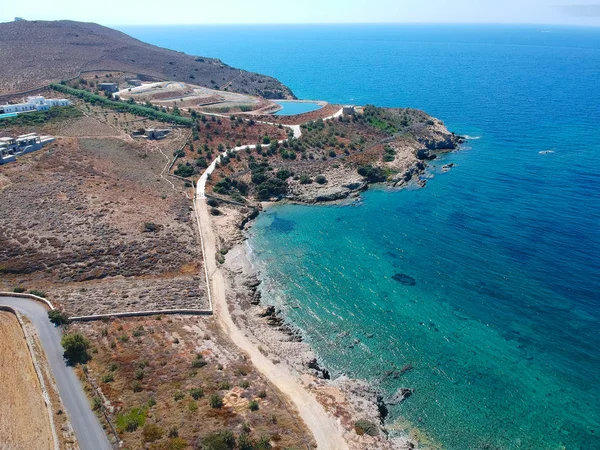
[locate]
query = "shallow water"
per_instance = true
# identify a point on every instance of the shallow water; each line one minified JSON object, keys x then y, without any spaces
{"x":293,"y":108}
{"x":501,"y":323}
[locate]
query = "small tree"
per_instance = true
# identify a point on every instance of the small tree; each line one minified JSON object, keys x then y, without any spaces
{"x":76,"y":348}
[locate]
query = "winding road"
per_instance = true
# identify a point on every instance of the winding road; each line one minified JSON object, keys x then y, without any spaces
{"x":88,"y":430}
{"x":324,"y":428}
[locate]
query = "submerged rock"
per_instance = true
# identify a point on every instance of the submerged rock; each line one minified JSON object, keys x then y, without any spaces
{"x":400,"y":395}
{"x":404,"y":279}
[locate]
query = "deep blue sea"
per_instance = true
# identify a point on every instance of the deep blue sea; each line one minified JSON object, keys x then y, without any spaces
{"x":502,"y":324}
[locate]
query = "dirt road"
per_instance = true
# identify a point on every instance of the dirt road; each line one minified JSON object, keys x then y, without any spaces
{"x":323,"y":427}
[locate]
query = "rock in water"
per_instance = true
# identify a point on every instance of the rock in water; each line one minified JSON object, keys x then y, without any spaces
{"x":404,"y":279}
{"x":400,"y":395}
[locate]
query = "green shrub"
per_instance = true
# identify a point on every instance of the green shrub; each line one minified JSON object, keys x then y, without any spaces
{"x":320,"y":179}
{"x":185,"y":170}
{"x":19,"y":290}
{"x":199,"y":361}
{"x":215,"y":401}
{"x":139,"y":374}
{"x":253,"y":405}
{"x":193,"y":406}
{"x":262,"y":394}
{"x":132,"y":421}
{"x":178,"y":396}
{"x":245,"y":384}
{"x":136,"y":386}
{"x":58,"y":317}
{"x":76,"y":349}
{"x":305,"y":179}
{"x":372,"y":174}
{"x":197,"y":393}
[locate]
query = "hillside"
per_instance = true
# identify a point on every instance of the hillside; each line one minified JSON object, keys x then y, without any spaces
{"x":35,"y":53}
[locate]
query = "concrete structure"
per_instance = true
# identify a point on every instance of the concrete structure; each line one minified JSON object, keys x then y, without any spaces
{"x":348,"y":110}
{"x":10,"y":148}
{"x":108,"y":87}
{"x":36,"y":103}
{"x":134,"y":82}
{"x":157,"y":133}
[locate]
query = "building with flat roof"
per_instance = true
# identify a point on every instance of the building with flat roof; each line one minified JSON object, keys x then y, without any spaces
{"x":134,"y":82}
{"x":11,"y":147}
{"x":35,"y":103}
{"x":108,"y":87}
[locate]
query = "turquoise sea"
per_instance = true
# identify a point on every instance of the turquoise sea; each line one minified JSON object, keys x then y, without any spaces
{"x":502,"y":323}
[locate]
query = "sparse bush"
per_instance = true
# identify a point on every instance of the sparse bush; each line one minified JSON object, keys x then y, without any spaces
{"x":177,"y":444}
{"x":320,"y":179}
{"x":366,"y":427}
{"x":139,"y":374}
{"x":178,"y":396}
{"x":108,"y":378}
{"x":149,"y":227}
{"x":152,"y":432}
{"x":224,"y":386}
{"x":245,"y":384}
{"x":222,"y":440}
{"x":37,"y":293}
{"x":193,"y":406}
{"x":199,"y":362}
{"x":136,"y":386}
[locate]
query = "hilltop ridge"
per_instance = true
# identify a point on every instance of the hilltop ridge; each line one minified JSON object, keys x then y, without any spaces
{"x":41,"y":52}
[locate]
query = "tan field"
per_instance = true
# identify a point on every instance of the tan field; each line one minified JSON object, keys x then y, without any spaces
{"x":24,"y":422}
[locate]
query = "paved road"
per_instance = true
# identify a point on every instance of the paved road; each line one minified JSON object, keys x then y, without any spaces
{"x":88,"y":430}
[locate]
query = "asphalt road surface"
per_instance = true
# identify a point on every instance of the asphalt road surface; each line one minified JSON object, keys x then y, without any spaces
{"x":88,"y":430}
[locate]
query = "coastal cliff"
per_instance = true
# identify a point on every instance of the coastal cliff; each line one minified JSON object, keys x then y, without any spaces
{"x":336,"y":158}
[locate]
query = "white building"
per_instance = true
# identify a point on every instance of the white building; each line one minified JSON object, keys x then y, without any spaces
{"x":37,"y":103}
{"x":10,"y":148}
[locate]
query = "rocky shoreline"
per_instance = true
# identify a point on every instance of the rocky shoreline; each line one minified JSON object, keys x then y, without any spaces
{"x":358,"y":408}
{"x":354,"y":403}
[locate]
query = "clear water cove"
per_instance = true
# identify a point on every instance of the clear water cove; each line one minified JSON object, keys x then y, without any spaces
{"x":501,"y":322}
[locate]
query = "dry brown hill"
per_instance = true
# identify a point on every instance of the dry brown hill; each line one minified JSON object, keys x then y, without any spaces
{"x":35,"y":53}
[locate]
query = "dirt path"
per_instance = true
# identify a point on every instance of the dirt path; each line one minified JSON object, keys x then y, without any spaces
{"x":323,"y":427}
{"x":24,"y":421}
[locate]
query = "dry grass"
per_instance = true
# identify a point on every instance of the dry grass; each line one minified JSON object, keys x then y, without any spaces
{"x":151,"y":364}
{"x":75,"y":220}
{"x":24,"y":422}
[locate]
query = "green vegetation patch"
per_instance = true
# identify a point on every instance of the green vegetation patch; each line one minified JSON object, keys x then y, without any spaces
{"x":137,"y":110}
{"x":54,"y":114}
{"x":131,"y":421}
